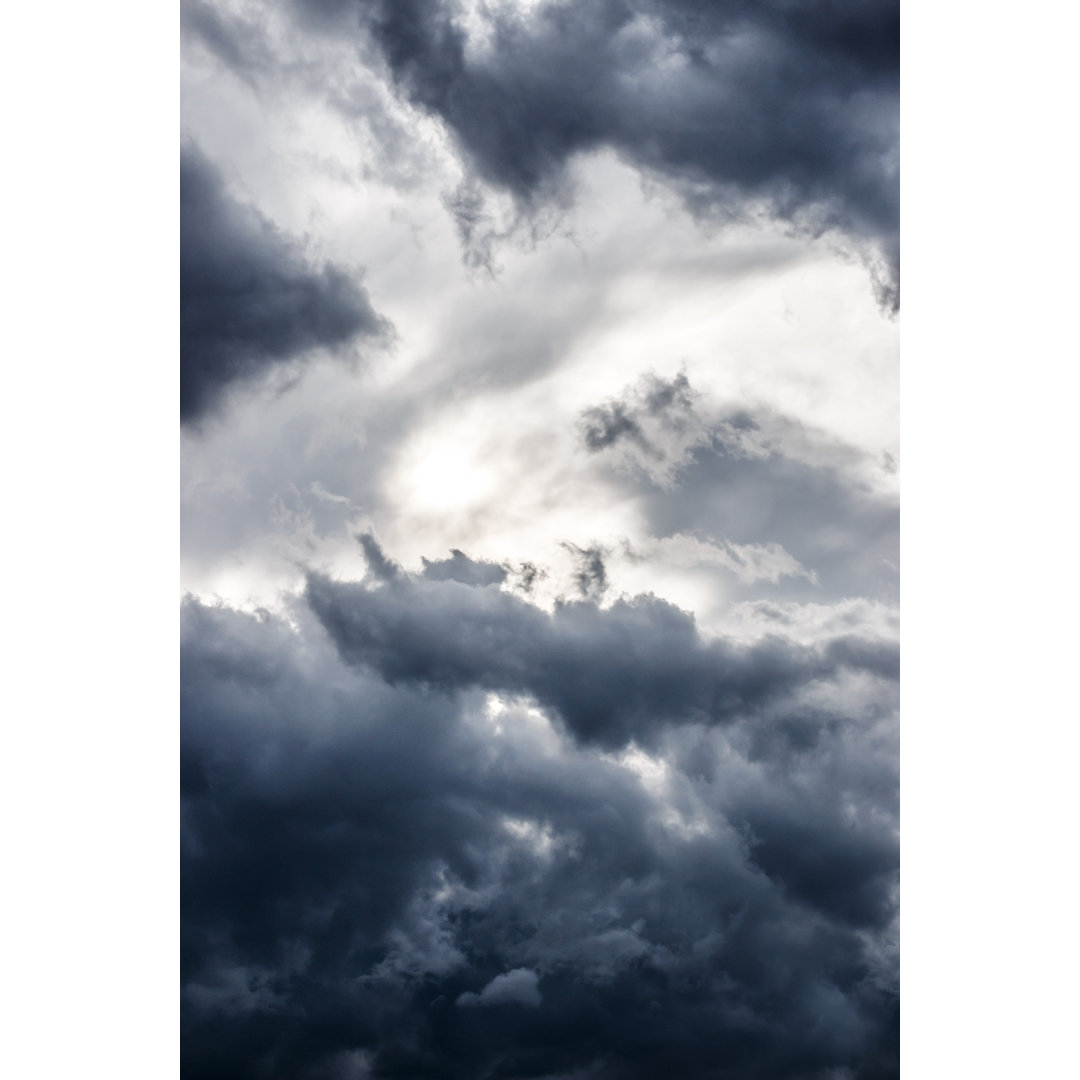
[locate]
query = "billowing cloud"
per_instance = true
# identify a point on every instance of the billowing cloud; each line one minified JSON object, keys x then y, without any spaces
{"x":612,"y":675}
{"x":767,"y":111}
{"x":540,"y":673}
{"x":250,"y":301}
{"x":442,"y":880}
{"x":788,"y":110}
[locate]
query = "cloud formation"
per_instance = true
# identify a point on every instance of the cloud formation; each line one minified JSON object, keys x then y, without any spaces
{"x":587,"y":766}
{"x":612,"y":675}
{"x":771,"y":110}
{"x":250,"y":301}
{"x":782,"y":109}
{"x":459,"y":567}
{"x":653,"y":424}
{"x":786,"y":500}
{"x":379,"y":857}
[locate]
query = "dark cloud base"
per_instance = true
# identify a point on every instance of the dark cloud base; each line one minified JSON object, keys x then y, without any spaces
{"x":249,"y":300}
{"x":381,"y":879}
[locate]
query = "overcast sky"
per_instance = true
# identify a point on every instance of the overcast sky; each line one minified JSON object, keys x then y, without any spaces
{"x":539,"y":487}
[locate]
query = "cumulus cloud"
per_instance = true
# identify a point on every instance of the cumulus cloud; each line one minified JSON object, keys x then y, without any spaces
{"x":363,"y":852}
{"x":611,"y":675}
{"x":250,"y":301}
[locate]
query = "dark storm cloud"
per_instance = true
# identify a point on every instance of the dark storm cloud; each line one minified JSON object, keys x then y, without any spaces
{"x":787,"y":107}
{"x":611,"y":675}
{"x":249,"y":299}
{"x":375,"y":879}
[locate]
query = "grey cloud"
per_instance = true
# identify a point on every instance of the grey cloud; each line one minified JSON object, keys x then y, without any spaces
{"x":358,"y":855}
{"x":591,"y":574}
{"x":750,"y":476}
{"x":670,"y":402}
{"x":237,"y":43}
{"x":250,"y":302}
{"x":605,"y":425}
{"x":527,"y":576}
{"x":832,"y":524}
{"x":382,"y":567}
{"x":653,"y":425}
{"x":790,"y":108}
{"x":611,"y":675}
{"x":430,"y":830}
{"x":772,"y":108}
{"x":459,"y":567}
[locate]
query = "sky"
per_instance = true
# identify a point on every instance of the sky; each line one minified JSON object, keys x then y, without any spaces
{"x":539,"y":591}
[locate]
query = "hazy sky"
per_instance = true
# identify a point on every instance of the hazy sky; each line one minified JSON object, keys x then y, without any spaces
{"x":539,"y":481}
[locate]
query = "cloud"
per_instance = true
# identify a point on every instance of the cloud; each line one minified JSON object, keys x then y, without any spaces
{"x":250,"y":301}
{"x":749,"y":563}
{"x":787,"y":501}
{"x":611,"y":675}
{"x":361,"y":854}
{"x":832,"y":524}
{"x":652,"y":425}
{"x":517,"y":987}
{"x":590,"y":575}
{"x":459,"y":567}
{"x":381,"y":566}
{"x":587,"y":766}
{"x":774,"y":108}
{"x":236,"y":42}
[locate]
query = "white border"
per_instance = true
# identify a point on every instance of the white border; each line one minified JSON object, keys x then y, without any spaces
{"x":90,"y":460}
{"x":989,"y":459}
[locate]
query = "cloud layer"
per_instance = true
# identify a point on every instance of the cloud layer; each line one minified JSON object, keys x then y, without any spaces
{"x":487,"y":852}
{"x":539,"y":673}
{"x":250,"y":301}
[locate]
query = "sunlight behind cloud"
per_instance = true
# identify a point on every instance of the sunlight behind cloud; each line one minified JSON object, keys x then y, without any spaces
{"x":440,"y":478}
